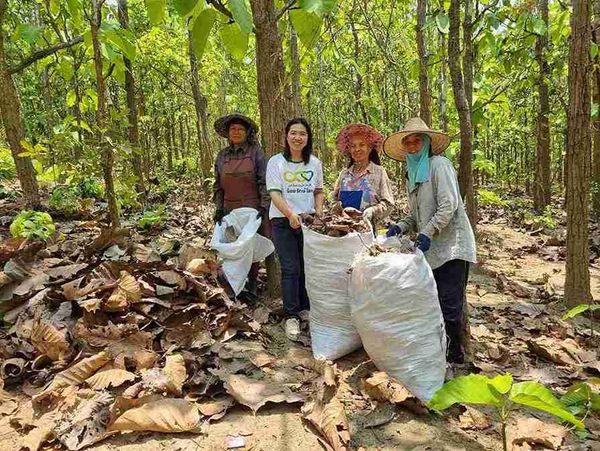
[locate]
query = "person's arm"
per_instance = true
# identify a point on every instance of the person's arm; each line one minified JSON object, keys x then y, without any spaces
{"x":386,"y":199}
{"x":443,"y":176}
{"x":218,"y":195}
{"x":319,"y":195}
{"x":261,"y":182}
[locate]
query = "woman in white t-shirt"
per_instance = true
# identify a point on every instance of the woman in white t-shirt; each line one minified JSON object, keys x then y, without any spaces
{"x":295,"y":183}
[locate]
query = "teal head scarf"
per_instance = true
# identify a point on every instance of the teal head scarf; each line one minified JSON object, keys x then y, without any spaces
{"x":418,"y":164}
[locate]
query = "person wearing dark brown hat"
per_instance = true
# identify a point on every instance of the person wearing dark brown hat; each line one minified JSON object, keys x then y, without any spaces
{"x":364,"y":185}
{"x":438,"y":215}
{"x":240,"y":176}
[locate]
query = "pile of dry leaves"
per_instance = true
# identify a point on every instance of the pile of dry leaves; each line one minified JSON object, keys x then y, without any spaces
{"x":336,"y":225}
{"x":112,"y":332}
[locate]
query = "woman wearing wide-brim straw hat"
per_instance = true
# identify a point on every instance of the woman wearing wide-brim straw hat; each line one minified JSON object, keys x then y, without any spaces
{"x":240,"y":178}
{"x":363,"y":187}
{"x":438,"y":216}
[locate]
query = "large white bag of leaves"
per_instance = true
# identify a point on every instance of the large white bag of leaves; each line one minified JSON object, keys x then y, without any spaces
{"x":396,"y":311}
{"x":239,"y":245}
{"x":327,"y":261}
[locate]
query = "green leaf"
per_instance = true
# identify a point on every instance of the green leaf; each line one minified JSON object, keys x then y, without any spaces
{"x":538,"y":26}
{"x":75,"y":10}
{"x":235,"y":40}
{"x":443,"y":22}
{"x":471,"y":389}
{"x":579,"y":309}
{"x":593,"y":50}
{"x":29,"y":33}
{"x":535,"y":395}
{"x":65,"y":68}
{"x":307,"y":25}
{"x":184,"y":7}
{"x":121,"y":39}
{"x":502,"y":383}
{"x":71,"y":98}
{"x":317,"y":6}
{"x":156,"y":10}
{"x":201,"y":29}
{"x":241,"y":15}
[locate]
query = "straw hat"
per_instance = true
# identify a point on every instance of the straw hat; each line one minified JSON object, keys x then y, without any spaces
{"x":222,"y":124}
{"x":370,"y":134}
{"x":394,"y":147}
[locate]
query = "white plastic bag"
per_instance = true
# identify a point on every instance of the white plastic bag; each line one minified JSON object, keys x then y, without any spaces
{"x":327,"y":262}
{"x":396,"y":311}
{"x":249,"y":247}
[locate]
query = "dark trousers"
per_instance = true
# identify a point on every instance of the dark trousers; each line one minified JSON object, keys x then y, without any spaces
{"x":451,"y":279}
{"x":289,"y":247}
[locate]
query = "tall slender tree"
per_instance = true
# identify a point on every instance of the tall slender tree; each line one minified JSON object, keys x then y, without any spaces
{"x":596,"y":124}
{"x":577,"y":281}
{"x":10,"y":110}
{"x":541,"y":186}
{"x":107,"y":155}
{"x":133,"y":129}
{"x":465,"y":173}
{"x":424,"y":95}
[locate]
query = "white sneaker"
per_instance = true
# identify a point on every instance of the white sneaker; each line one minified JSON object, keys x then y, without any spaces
{"x":292,"y":329}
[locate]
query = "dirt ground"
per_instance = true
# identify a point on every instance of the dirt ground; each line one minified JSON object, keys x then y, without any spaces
{"x":281,"y":428}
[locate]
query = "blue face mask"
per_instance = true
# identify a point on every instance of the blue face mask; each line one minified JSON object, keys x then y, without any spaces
{"x":418,"y":164}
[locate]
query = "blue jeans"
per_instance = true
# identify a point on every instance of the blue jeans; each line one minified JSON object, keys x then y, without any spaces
{"x":289,"y":247}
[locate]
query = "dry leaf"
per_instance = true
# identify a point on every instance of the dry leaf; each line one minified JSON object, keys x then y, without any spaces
{"x":124,"y":341}
{"x":550,"y":349}
{"x":166,"y":415}
{"x":474,"y":419}
{"x":90,"y":305}
{"x":255,"y":394}
{"x":176,"y":372}
{"x":383,"y":388}
{"x":531,"y":431}
{"x":109,"y":376}
{"x":201,"y":266}
{"x":12,"y":368}
{"x":216,"y":408}
{"x":329,"y":418}
{"x":128,"y":291}
{"x":383,"y":414}
{"x":74,"y":375}
{"x":48,"y":340}
{"x":145,"y":254}
{"x":86,"y":424}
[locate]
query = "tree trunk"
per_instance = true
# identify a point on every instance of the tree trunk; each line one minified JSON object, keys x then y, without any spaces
{"x":270,"y":74}
{"x":465,"y":174}
{"x":133,"y":129}
{"x":443,"y":101}
{"x":296,"y":103}
{"x":102,"y":119}
{"x":577,"y":281}
{"x":205,"y":156}
{"x":596,"y":128}
{"x":424,"y":97}
{"x":358,"y":80}
{"x":541,"y":185}
{"x":10,"y":111}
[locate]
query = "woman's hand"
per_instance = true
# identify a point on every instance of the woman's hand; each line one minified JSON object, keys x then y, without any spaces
{"x":295,"y":222}
{"x":368,"y":214}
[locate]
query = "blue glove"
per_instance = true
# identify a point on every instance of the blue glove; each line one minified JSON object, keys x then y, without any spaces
{"x":423,"y":242}
{"x":394,"y":230}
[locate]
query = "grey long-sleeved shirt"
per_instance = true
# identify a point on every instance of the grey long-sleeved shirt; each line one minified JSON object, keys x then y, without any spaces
{"x":437,"y":210}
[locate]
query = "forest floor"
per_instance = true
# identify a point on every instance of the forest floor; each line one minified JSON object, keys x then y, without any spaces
{"x":514,"y":295}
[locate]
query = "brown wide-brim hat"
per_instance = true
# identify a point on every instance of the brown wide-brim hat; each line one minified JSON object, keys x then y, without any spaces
{"x":222,"y":124}
{"x":370,"y":135}
{"x":395,"y":148}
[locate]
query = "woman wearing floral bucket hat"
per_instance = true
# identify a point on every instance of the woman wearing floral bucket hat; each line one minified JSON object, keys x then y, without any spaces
{"x":438,"y":216}
{"x":363,"y":187}
{"x":240,"y":178}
